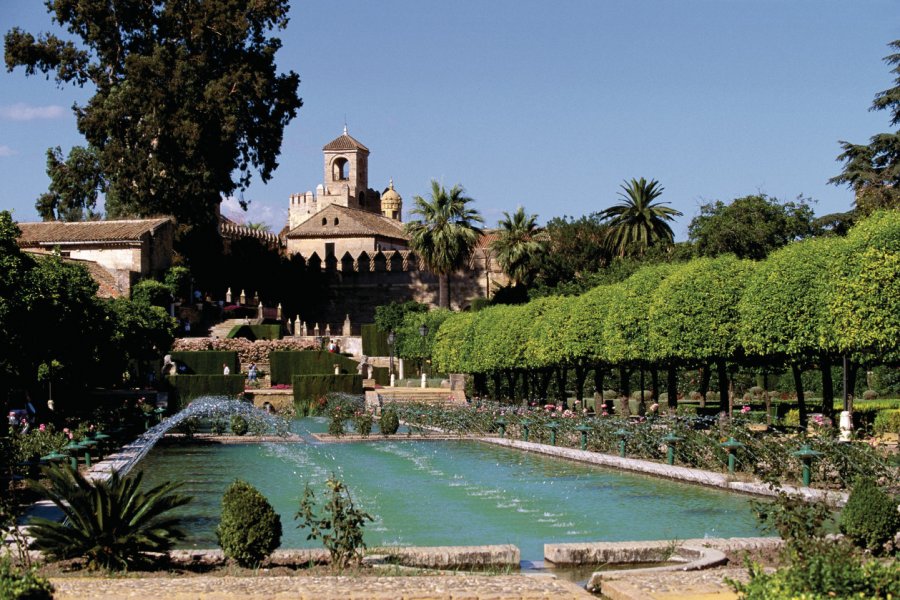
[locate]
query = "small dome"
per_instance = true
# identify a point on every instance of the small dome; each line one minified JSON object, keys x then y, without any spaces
{"x":391,"y":195}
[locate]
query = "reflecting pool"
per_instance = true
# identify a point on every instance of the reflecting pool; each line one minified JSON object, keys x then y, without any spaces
{"x":438,"y":493}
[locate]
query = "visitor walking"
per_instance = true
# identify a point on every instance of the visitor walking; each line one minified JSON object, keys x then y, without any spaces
{"x":251,"y":373}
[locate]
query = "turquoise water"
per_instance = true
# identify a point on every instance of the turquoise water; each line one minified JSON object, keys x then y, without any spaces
{"x":449,"y":493}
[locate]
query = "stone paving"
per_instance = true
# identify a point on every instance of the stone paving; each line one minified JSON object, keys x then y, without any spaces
{"x":673,"y":585}
{"x":451,"y":587}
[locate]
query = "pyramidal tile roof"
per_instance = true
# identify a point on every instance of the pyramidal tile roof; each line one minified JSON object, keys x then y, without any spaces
{"x":344,"y":142}
{"x":341,"y":221}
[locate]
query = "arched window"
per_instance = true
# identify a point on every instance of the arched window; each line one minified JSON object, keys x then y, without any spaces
{"x":336,"y":221}
{"x":324,"y":221}
{"x":341,"y":169}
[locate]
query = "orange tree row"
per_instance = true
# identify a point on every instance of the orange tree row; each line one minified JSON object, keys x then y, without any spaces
{"x":804,"y":306}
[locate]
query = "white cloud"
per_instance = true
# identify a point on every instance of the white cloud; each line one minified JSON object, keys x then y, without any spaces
{"x":257,"y":212}
{"x":6,"y":151}
{"x":24,"y":112}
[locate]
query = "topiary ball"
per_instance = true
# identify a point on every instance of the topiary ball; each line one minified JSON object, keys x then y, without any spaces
{"x":250,"y":529}
{"x":870,"y":518}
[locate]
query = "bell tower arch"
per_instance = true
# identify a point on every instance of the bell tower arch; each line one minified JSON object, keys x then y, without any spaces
{"x":346,"y":169}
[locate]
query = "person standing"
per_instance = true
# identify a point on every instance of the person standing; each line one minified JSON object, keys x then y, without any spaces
{"x":225,"y":369}
{"x":251,"y":373}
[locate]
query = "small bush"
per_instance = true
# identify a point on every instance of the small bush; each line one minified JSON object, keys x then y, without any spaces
{"x":636,"y":395}
{"x":870,"y":518}
{"x":610,"y":394}
{"x":792,"y":418}
{"x":389,"y":422}
{"x":870,"y":395}
{"x":239,"y":425}
{"x":686,"y":410}
{"x":250,"y":529}
{"x":887,"y":421}
{"x":340,"y":526}
{"x":362,"y":422}
{"x":22,"y":583}
{"x":695,"y":396}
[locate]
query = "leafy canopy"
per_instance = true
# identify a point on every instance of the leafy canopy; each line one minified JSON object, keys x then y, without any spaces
{"x":873,"y":169}
{"x":187,"y":102}
{"x":750,"y":227}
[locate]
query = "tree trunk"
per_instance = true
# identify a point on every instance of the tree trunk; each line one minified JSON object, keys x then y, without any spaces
{"x":495,"y":376}
{"x":672,"y":388}
{"x":544,"y":384}
{"x":798,"y":386}
{"x":598,"y":379}
{"x":624,"y":388}
{"x":654,"y":384}
{"x":511,"y":377}
{"x":705,"y":375}
{"x":526,"y":387}
{"x":580,"y":377}
{"x":444,"y":290}
{"x":561,"y":376}
{"x":827,"y":386}
{"x":723,"y":385}
{"x":851,"y":381}
{"x":642,"y":406}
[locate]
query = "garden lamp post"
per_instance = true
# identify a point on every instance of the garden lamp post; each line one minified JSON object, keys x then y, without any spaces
{"x":806,"y":455}
{"x":584,"y":429}
{"x":501,"y":423}
{"x":731,"y":447}
{"x":552,"y":426}
{"x":622,"y":434}
{"x":526,"y":426}
{"x":53,"y":457}
{"x":72,"y":448}
{"x":159,"y":412}
{"x":671,"y":440}
{"x":391,"y":338}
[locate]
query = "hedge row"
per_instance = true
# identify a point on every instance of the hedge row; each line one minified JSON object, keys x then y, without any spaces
{"x":187,"y":387}
{"x":206,"y":362}
{"x":284,"y":365}
{"x":374,"y":341}
{"x":256,"y":332}
{"x":308,"y":388}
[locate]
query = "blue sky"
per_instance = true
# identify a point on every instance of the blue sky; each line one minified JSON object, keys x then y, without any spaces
{"x":547,"y":105}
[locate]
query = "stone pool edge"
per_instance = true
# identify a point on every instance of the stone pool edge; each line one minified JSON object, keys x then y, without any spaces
{"x":674,"y":472}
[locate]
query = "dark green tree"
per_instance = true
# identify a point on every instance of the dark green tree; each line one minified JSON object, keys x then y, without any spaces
{"x":75,"y":183}
{"x":14,"y":267}
{"x":389,"y":317}
{"x":751,"y":226}
{"x":637,"y":223}
{"x":519,"y":246}
{"x":873,"y":170}
{"x":576,"y":251}
{"x":446,"y":234}
{"x":187,"y":100}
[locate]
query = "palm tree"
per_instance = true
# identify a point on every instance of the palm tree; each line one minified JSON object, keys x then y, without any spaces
{"x":446,"y":235}
{"x":638,"y":223}
{"x":111,"y":523}
{"x":519,"y":245}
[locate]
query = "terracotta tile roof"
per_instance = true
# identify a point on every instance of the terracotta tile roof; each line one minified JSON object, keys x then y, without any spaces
{"x":108,"y":286}
{"x":487,"y":237}
{"x":344,"y":142}
{"x":58,"y":232}
{"x":352,"y":222}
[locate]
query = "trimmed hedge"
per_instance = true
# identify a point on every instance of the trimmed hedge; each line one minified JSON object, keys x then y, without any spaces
{"x":206,"y":362}
{"x":187,"y":387}
{"x":256,"y":332}
{"x":283,"y":365}
{"x":308,"y":388}
{"x":374,"y":341}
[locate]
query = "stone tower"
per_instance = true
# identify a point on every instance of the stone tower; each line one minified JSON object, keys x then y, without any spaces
{"x":347,"y":170}
{"x":392,"y":203}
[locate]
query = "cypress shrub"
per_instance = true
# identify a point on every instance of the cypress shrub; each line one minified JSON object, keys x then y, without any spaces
{"x":389,"y":422}
{"x":188,"y":387}
{"x":206,"y":362}
{"x":870,"y":517}
{"x":250,"y":529}
{"x":283,"y":365}
{"x":374,"y":341}
{"x":308,"y":388}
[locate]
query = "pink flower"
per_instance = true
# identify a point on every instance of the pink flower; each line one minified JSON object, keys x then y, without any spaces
{"x":42,"y":427}
{"x":605,"y":414}
{"x":65,"y":430}
{"x":745,"y":409}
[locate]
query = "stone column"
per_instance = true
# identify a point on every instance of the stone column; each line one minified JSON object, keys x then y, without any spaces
{"x":259,"y":311}
{"x":243,"y":297}
{"x":424,"y":383}
{"x":278,"y":312}
{"x":400,"y":367}
{"x":346,"y":331}
{"x":393,"y":381}
{"x":228,"y":296}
